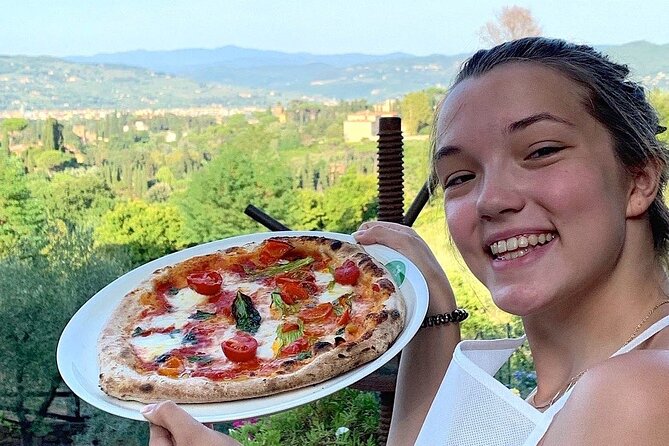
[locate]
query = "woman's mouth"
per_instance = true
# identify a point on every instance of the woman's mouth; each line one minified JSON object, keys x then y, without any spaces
{"x":520,"y":245}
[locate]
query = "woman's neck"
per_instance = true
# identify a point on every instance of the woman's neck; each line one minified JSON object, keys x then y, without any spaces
{"x":583,"y":330}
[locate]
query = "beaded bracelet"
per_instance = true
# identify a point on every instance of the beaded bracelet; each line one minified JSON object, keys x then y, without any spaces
{"x":455,"y":316}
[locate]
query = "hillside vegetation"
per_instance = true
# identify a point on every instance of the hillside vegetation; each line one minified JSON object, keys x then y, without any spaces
{"x":235,"y":77}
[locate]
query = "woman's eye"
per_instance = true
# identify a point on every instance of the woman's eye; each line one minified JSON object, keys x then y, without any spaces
{"x":544,"y":151}
{"x":456,"y":180}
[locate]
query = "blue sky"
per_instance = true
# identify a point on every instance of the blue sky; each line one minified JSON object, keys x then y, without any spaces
{"x":421,"y":27}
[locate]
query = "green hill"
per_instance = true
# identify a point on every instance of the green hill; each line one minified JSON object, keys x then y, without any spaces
{"x":238,"y":77}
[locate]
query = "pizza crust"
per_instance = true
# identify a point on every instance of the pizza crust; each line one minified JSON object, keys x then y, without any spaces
{"x":119,"y":378}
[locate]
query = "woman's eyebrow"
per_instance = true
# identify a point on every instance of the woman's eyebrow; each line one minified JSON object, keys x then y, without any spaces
{"x":446,"y":151}
{"x":526,"y":122}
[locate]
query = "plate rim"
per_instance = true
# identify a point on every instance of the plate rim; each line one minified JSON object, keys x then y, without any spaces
{"x":130,"y":409}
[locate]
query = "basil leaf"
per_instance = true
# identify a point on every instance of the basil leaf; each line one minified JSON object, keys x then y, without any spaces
{"x":162,"y":358}
{"x":189,"y":338}
{"x":342,"y":303}
{"x":278,"y":303}
{"x":138,"y":332}
{"x":340,"y":331}
{"x":201,"y":359}
{"x":303,"y":355}
{"x":281,"y":305}
{"x":287,"y":338}
{"x":245,"y":314}
{"x":201,"y":315}
{"x":280,"y":269}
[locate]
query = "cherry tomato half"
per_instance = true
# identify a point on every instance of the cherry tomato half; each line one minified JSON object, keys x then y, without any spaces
{"x":242,"y":347}
{"x":205,"y":282}
{"x":293,"y":291}
{"x":319,"y":312}
{"x":345,"y":318}
{"x":289,"y":326}
{"x":273,"y":250}
{"x":347,"y":274}
{"x":296,"y":347}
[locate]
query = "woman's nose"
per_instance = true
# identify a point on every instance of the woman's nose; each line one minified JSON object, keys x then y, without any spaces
{"x":498,"y":195}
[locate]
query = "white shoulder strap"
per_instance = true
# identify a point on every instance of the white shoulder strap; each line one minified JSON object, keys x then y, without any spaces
{"x":644,"y":336}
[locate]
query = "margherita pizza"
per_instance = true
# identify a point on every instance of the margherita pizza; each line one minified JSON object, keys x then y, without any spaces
{"x":250,"y":321}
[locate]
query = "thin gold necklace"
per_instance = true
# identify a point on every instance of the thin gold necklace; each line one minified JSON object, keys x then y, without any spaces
{"x":572,"y":381}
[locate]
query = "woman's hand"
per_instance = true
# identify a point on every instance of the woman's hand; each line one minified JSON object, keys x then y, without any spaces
{"x":406,"y":241}
{"x":170,"y":425}
{"x":400,"y":238}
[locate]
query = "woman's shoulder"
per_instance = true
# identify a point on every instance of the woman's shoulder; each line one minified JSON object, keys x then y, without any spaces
{"x":625,"y":394}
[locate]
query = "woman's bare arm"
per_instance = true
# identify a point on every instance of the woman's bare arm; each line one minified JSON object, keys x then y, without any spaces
{"x":425,"y":359}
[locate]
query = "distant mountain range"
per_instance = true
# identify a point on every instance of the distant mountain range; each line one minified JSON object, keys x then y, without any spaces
{"x":233,"y":76}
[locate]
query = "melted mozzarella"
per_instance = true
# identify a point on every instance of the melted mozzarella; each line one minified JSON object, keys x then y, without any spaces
{"x":265,"y":336}
{"x":325,"y":279}
{"x":183,"y":304}
{"x":150,"y":347}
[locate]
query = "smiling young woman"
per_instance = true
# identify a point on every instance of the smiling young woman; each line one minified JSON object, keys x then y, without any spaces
{"x":553,"y":181}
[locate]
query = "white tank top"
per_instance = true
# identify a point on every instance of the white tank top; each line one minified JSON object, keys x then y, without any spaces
{"x":472,"y":408}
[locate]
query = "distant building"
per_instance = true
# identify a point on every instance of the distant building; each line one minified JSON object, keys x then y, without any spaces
{"x":363,"y":125}
{"x":279,"y":112}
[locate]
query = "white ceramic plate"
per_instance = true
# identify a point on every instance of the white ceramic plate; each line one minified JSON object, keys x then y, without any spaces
{"x":77,"y":354}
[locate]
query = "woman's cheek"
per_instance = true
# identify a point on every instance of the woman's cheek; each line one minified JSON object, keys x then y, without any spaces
{"x":461,"y":219}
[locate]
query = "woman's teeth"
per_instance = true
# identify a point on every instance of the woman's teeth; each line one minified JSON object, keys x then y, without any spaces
{"x":515,"y":247}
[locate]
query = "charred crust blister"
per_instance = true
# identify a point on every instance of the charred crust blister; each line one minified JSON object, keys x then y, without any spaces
{"x":366,"y":264}
{"x":146,"y":387}
{"x":289,"y":364}
{"x":386,"y":285}
{"x":335,"y":245}
{"x":395,"y":314}
{"x":322,"y":346}
{"x":379,"y":317}
{"x":339,"y":340}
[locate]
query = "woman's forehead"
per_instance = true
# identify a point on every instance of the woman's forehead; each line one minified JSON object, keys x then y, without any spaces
{"x":509,"y":93}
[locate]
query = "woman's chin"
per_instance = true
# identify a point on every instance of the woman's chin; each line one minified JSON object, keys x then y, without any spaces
{"x":520,"y":302}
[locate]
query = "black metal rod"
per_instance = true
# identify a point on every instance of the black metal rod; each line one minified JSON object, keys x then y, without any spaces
{"x":417,"y":205}
{"x":264,"y":219}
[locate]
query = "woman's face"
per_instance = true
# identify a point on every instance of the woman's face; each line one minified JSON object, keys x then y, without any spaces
{"x":535,"y":198}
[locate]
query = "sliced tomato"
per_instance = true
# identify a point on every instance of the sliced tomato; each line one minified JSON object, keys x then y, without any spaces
{"x":317,"y":313}
{"x":314,"y":331}
{"x":242,"y":347}
{"x":347,"y":274}
{"x":296,"y":347}
{"x":273,"y":250}
{"x":173,"y":367}
{"x":293,"y":291}
{"x":205,"y":282}
{"x":289,"y":326}
{"x":345,"y":318}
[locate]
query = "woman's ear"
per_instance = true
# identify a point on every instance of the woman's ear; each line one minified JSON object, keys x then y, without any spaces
{"x":643,"y":189}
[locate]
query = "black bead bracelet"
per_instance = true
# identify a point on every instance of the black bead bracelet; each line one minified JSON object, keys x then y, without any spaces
{"x":457,"y":315}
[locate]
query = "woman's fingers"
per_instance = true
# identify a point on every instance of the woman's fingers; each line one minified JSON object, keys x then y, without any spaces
{"x":383,"y":233}
{"x":177,"y":422}
{"x":159,"y":436}
{"x":170,"y":422}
